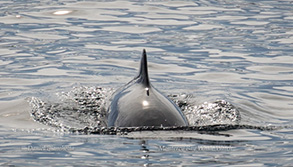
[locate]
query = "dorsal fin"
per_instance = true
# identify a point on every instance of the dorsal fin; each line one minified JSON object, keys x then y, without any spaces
{"x":143,"y":75}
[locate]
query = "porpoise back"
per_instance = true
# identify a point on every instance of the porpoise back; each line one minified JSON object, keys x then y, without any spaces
{"x":138,"y":103}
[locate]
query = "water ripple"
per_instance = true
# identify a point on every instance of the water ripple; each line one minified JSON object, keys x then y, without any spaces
{"x":237,"y":51}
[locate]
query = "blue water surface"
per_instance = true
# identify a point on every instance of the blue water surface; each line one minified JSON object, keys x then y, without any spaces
{"x":239,"y":51}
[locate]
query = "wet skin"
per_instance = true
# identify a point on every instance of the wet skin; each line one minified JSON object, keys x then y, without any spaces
{"x":138,"y":103}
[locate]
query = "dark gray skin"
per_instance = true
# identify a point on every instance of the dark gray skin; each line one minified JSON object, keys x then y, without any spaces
{"x":138,"y":103}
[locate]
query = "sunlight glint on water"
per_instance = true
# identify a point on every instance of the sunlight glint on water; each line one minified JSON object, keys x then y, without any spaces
{"x":237,"y":51}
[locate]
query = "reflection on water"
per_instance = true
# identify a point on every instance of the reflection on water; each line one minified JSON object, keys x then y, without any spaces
{"x":239,"y":51}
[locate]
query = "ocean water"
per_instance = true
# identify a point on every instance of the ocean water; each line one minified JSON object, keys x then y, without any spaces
{"x":237,"y":51}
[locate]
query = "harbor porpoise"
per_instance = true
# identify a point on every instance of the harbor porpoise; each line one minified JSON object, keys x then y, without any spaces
{"x":138,"y":103}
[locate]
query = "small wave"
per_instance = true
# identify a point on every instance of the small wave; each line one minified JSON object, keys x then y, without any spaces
{"x":207,"y":128}
{"x":78,"y":108}
{"x":84,"y":110}
{"x":208,"y":113}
